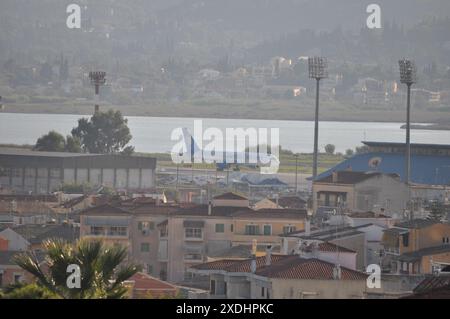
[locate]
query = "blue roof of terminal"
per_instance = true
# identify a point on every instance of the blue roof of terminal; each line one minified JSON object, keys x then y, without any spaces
{"x":425,"y":169}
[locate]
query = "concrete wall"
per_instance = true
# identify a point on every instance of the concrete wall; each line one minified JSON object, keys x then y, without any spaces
{"x":381,"y":191}
{"x":357,"y":244}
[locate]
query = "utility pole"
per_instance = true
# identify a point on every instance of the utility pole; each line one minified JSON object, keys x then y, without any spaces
{"x":296,"y":173}
{"x":317,"y":70}
{"x":97,"y":78}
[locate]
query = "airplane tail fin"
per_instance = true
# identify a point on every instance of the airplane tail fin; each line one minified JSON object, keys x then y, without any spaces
{"x":189,"y":142}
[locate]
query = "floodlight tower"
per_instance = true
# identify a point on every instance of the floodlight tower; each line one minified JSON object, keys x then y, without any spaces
{"x":97,"y":78}
{"x":317,"y":67}
{"x":408,"y":76}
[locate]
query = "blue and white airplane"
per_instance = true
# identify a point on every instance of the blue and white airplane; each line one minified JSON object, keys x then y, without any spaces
{"x":224,"y":159}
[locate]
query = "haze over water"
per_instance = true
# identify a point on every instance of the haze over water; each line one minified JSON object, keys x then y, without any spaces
{"x":152,"y":134}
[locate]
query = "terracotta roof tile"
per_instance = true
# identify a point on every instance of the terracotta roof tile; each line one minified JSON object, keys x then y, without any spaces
{"x":230,"y":195}
{"x":284,"y":267}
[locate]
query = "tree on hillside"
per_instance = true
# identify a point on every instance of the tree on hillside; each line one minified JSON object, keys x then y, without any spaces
{"x":102,"y":277}
{"x":104,"y":133}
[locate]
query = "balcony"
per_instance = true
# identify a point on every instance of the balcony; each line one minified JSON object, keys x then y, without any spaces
{"x":395,"y":251}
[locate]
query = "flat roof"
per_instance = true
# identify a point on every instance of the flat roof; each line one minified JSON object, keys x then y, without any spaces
{"x":413,"y":145}
{"x":27,"y":152}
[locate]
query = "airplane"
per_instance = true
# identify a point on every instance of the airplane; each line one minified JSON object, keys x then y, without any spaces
{"x":267,"y":163}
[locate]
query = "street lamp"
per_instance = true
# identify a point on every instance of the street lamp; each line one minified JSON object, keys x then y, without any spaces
{"x":97,"y":78}
{"x":408,"y":76}
{"x":317,"y":67}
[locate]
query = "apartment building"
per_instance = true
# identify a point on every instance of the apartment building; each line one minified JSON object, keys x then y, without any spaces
{"x":417,"y":247}
{"x":359,"y":191}
{"x":131,"y":225}
{"x":194,"y":233}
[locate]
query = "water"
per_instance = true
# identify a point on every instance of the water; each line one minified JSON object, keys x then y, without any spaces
{"x":152,"y":134}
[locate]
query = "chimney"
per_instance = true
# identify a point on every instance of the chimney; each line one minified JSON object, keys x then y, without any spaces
{"x":268,"y":255}
{"x":209,"y":208}
{"x":337,"y":273}
{"x":307,"y":227}
{"x":334,"y":177}
{"x":253,"y":264}
{"x":276,"y":200}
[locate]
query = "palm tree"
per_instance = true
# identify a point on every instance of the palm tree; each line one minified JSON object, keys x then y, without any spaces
{"x":101,"y":273}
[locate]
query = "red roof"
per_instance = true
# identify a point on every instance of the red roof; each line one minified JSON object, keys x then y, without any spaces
{"x":284,"y":267}
{"x":144,"y":285}
{"x":312,"y":269}
{"x":329,"y":247}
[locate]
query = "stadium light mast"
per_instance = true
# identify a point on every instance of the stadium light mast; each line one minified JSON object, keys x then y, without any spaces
{"x":317,"y":67}
{"x":408,"y":76}
{"x":97,"y":78}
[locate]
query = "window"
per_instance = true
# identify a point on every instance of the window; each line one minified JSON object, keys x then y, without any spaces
{"x":30,"y":172}
{"x":188,"y":275}
{"x":146,"y":225}
{"x":55,"y":173}
{"x":267,"y":230}
{"x":16,"y":172}
{"x":263,"y":292}
{"x":405,"y":239}
{"x":145,"y":247}
{"x":1,"y":279}
{"x":252,"y":230}
{"x":289,"y":229}
{"x":17,"y":278}
{"x":212,"y":287}
{"x":150,"y":269}
{"x":220,"y":228}
{"x":193,"y":233}
{"x":97,"y":230}
{"x":231,"y":228}
{"x":193,"y":257}
{"x":117,"y":231}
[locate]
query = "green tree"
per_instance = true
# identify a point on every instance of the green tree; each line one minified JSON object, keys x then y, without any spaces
{"x":104,"y":133}
{"x":73,"y":144}
{"x":102,"y":276}
{"x":349,"y":152}
{"x":51,"y":142}
{"x":55,"y":142}
{"x":27,"y":291}
{"x":329,"y":149}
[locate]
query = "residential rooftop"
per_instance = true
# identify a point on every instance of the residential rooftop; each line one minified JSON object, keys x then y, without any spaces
{"x":288,"y":267}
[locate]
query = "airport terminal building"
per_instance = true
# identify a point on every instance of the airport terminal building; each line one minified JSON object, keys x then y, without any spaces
{"x":430,"y":163}
{"x":27,"y":171}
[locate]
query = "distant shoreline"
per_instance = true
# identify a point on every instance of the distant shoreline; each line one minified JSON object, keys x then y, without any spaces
{"x":328,"y":113}
{"x":429,"y":127}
